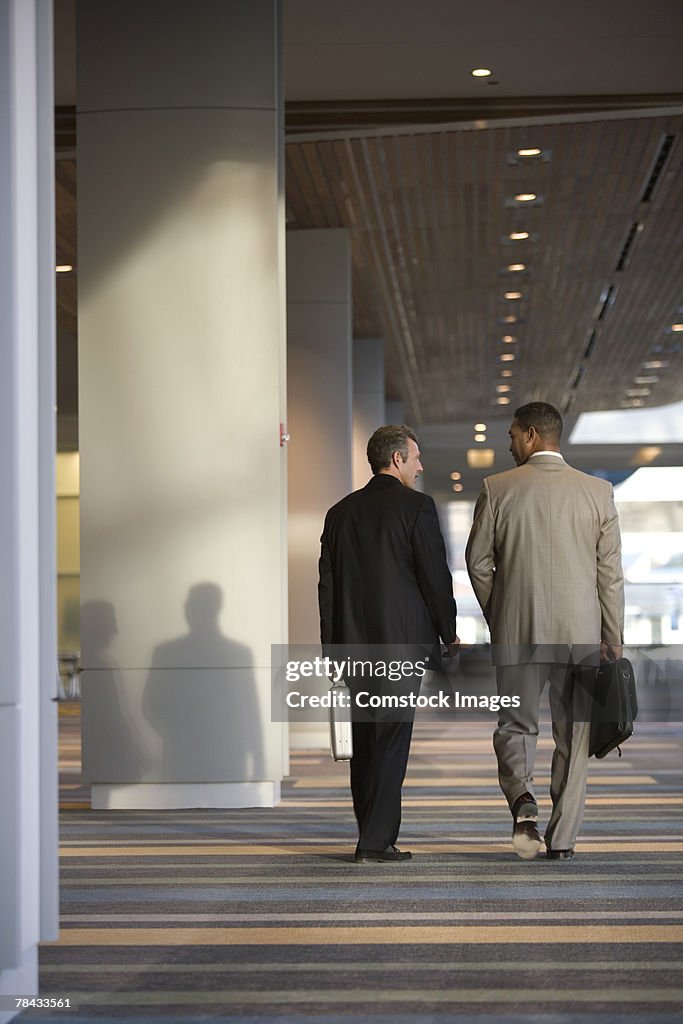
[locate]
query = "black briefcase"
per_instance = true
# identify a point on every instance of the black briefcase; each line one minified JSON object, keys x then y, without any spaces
{"x":615,"y":707}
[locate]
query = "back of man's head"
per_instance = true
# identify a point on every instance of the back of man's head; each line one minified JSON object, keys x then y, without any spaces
{"x":543,"y":417}
{"x":387,"y":440}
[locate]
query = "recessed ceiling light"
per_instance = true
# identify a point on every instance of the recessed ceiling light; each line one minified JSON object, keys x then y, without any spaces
{"x":511,"y":319}
{"x":648,"y":453}
{"x":509,"y":339}
{"x":480,"y":437}
{"x":637,"y":392}
{"x":507,"y":357}
{"x":525,"y":197}
{"x":631,"y":403}
{"x":654,"y":379}
{"x":502,"y":389}
{"x":506,"y":373}
{"x":480,"y":458}
{"x":677,"y":327}
{"x":480,"y":73}
{"x":63,"y":268}
{"x":656,"y":364}
{"x":518,"y":236}
{"x":513,"y":267}
{"x":480,"y":426}
{"x":512,"y":295}
{"x":455,"y":476}
{"x":529,"y":152}
{"x":502,"y":400}
{"x":457,"y":487}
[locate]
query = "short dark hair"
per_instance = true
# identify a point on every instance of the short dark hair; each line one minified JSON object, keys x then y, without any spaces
{"x":545,"y":419}
{"x":387,"y":440}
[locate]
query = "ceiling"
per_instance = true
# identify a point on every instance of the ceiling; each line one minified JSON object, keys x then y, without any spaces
{"x":390,"y":136}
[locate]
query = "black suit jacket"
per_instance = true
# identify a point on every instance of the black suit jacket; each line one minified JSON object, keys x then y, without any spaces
{"x":384,"y":578}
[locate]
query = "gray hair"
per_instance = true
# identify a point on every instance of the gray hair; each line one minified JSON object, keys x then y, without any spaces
{"x":387,"y":440}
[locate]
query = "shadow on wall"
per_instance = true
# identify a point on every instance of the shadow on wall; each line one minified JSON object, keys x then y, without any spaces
{"x":113,"y":747}
{"x":200,"y":698}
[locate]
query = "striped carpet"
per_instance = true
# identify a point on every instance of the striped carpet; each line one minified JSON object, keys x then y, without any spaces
{"x":261,"y":916}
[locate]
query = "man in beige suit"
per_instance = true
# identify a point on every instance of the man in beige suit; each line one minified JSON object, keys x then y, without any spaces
{"x":544,"y":558}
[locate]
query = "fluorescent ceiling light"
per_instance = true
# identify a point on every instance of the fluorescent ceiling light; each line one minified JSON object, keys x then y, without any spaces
{"x":659,"y":425}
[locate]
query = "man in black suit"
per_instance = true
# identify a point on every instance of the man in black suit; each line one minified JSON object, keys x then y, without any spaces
{"x":384,"y":580}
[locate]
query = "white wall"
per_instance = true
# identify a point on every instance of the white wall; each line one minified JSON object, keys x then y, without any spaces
{"x":28,"y":762}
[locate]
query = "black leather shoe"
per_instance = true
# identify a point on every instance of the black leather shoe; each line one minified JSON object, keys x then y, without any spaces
{"x":526,"y":841}
{"x":560,"y":854}
{"x":391,"y":855}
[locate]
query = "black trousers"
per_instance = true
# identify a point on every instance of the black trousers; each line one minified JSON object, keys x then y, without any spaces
{"x":381,"y":744}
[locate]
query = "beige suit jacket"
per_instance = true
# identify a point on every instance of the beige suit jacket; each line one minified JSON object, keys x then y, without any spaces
{"x":544,"y":558}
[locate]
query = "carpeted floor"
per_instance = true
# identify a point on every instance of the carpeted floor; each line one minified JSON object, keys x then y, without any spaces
{"x":261,"y":916}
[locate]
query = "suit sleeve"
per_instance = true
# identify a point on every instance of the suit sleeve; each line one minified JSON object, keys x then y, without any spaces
{"x":433,"y":575}
{"x":479,"y":553}
{"x":325,"y":589}
{"x":610,"y":577}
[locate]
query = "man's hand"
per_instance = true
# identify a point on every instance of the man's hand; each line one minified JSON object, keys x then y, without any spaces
{"x":452,"y":649}
{"x":610,"y":652}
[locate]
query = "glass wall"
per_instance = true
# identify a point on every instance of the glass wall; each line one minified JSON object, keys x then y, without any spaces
{"x":650,"y":506}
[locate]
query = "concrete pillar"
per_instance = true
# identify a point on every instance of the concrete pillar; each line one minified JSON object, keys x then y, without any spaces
{"x":28,"y":681}
{"x":181,"y":359}
{"x":395,"y":411}
{"x":368,"y":402}
{"x":319,"y":380}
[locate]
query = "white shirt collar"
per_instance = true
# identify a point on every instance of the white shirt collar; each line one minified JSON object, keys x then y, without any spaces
{"x":557,"y":455}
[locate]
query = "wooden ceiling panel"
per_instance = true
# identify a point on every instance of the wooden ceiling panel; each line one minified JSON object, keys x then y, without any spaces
{"x":429,"y":214}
